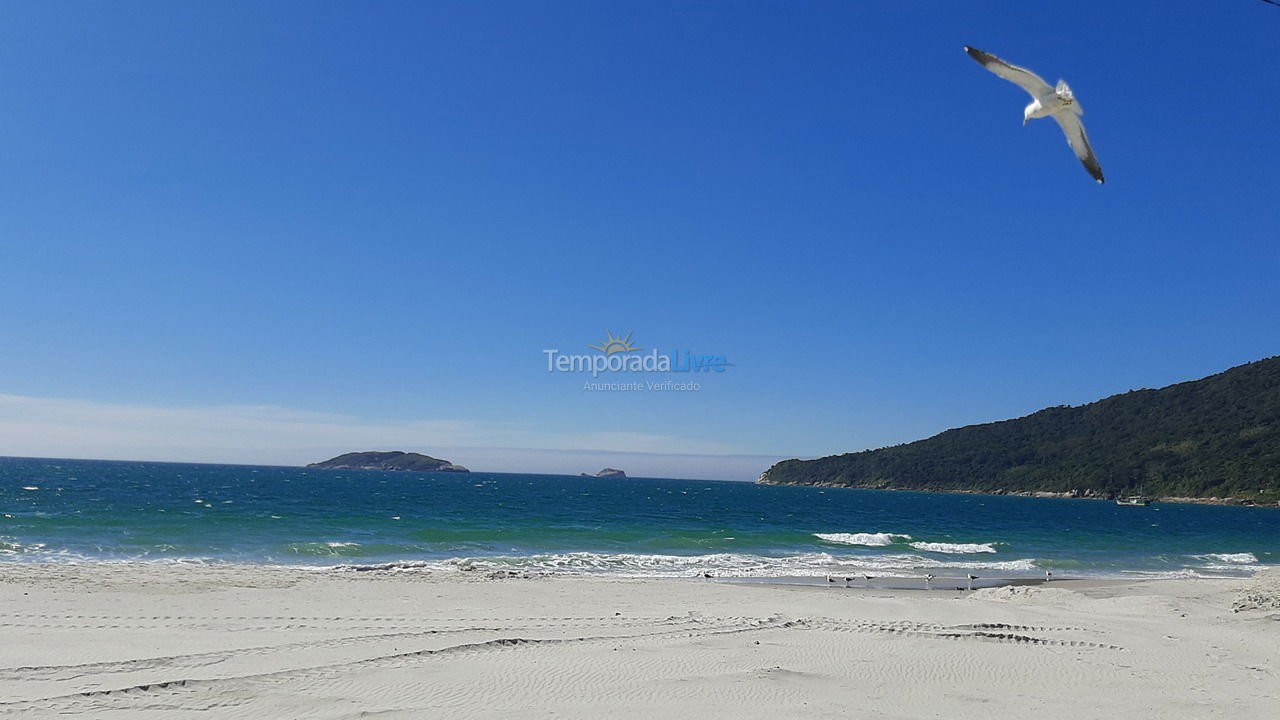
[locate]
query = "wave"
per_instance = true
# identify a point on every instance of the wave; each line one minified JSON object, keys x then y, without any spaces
{"x":1210,"y":572}
{"x":954,"y":548}
{"x":868,"y":539}
{"x":10,"y":546}
{"x":675,"y":566}
{"x":40,"y":553}
{"x":655,"y":565}
{"x":325,"y":548}
{"x":402,"y":566}
{"x":883,"y":539}
{"x":1243,"y":558}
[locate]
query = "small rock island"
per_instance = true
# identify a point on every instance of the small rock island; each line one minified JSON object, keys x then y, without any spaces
{"x":394,"y":460}
{"x":607,"y":472}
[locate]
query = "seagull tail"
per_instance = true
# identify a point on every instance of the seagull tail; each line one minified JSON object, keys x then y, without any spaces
{"x":1064,"y":91}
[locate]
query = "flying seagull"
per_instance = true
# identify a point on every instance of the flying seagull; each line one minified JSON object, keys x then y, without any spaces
{"x":1046,"y":101}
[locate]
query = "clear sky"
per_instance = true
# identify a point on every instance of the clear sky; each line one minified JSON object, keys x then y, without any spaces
{"x":263,"y":232}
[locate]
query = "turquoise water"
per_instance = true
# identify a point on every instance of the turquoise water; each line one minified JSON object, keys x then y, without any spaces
{"x":95,"y":511}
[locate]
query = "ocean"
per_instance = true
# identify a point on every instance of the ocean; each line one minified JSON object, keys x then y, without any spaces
{"x":83,"y":511}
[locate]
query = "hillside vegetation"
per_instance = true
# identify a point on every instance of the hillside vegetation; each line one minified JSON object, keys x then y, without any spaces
{"x":394,"y":460}
{"x":1218,"y":437}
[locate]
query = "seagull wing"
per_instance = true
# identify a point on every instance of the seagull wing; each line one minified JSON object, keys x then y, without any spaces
{"x":1021,"y":77}
{"x":1074,"y":130}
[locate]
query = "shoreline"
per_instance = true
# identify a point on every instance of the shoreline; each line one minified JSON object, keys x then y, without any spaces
{"x":1041,"y":494}
{"x":944,"y":577}
{"x":252,"y":641}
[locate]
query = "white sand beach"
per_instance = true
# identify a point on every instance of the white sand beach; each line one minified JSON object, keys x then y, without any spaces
{"x":142,"y":641}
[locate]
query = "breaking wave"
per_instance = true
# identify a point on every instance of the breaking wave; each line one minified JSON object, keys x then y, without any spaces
{"x":10,"y":546}
{"x":674,"y":566}
{"x":1231,"y":558}
{"x":867,"y":539}
{"x":325,"y":548}
{"x":883,"y":539}
{"x":954,"y":548}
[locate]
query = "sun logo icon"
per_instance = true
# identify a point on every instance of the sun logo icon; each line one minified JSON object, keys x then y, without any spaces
{"x":613,"y":345}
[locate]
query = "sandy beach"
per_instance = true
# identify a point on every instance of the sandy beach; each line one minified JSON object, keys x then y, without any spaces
{"x":135,"y":641}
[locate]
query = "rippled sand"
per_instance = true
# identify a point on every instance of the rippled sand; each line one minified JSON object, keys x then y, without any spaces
{"x":254,"y":642}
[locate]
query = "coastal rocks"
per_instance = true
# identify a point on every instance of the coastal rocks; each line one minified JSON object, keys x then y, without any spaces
{"x":1086,"y":494}
{"x":1218,"y":501}
{"x":607,"y":473}
{"x":395,"y":460}
{"x":1089,"y":494}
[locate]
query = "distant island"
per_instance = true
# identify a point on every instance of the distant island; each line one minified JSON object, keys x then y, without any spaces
{"x":1216,"y":439}
{"x":607,"y":472}
{"x":394,"y":460}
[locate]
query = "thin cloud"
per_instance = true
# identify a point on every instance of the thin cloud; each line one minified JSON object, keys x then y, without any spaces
{"x":56,"y":427}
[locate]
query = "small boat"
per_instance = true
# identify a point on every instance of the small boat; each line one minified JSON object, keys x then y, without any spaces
{"x":1141,"y":500}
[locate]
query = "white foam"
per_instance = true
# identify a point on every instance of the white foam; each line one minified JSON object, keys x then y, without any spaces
{"x":637,"y":565}
{"x":1208,"y":572}
{"x":10,"y":546}
{"x":954,"y":548}
{"x":672,"y":566}
{"x":323,"y":548}
{"x":403,"y":566}
{"x":867,"y":539}
{"x":39,"y":553}
{"x":1232,"y":558}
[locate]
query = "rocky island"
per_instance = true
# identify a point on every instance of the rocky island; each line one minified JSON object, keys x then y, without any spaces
{"x":607,"y":473}
{"x":1214,"y":440}
{"x":394,"y":460}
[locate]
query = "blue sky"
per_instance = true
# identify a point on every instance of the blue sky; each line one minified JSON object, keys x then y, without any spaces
{"x":371,"y":218}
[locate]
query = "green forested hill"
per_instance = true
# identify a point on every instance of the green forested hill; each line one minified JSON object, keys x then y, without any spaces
{"x":1214,"y":437}
{"x":394,"y":460}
